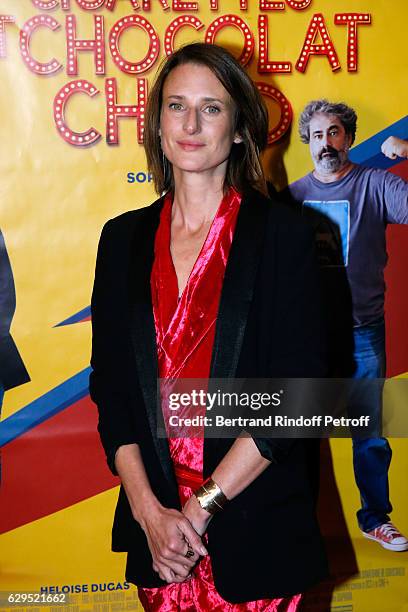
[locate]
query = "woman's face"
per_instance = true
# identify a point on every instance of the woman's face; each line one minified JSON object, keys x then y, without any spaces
{"x":196,"y":121}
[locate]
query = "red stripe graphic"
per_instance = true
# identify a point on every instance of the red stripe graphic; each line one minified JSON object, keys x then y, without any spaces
{"x":54,"y":465}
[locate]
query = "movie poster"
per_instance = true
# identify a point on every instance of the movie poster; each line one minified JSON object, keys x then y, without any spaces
{"x":75,"y":75}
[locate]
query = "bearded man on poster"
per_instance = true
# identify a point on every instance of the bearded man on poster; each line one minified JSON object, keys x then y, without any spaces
{"x":354,"y":204}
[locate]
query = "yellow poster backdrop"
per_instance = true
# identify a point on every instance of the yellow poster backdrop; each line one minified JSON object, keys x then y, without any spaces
{"x":74,"y":76}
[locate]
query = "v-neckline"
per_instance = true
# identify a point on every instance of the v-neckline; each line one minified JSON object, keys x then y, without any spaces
{"x":176,"y":304}
{"x":192,"y":315}
{"x":202,"y":249}
{"x":227,"y":197}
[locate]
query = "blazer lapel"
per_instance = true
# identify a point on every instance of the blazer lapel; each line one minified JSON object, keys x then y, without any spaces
{"x":238,"y":287}
{"x":144,"y":333}
{"x":236,"y":297}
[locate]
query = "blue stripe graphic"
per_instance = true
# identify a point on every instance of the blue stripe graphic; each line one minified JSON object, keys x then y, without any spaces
{"x":368,"y":153}
{"x":79,"y":316}
{"x":44,"y":407}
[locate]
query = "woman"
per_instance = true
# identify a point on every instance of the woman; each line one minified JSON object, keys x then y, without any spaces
{"x":210,"y":280}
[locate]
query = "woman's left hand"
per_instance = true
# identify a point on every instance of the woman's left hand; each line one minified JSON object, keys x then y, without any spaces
{"x":198,"y":517}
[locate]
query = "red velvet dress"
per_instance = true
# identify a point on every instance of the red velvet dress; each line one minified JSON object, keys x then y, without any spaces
{"x":185,"y":330}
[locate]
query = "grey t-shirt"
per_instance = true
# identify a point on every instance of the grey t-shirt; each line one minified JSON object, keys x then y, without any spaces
{"x":352,"y":215}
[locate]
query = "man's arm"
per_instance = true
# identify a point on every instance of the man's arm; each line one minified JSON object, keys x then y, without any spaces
{"x":394,"y":192}
{"x":395,"y":147}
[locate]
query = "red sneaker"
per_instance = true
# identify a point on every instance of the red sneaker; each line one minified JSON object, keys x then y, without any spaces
{"x":388,"y":536}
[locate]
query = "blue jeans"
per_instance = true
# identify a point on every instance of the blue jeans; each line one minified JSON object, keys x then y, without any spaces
{"x":371,"y":456}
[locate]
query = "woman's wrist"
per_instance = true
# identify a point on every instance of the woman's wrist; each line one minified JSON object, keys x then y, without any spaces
{"x":145,"y":508}
{"x":198,"y":517}
{"x":210,"y":497}
{"x":198,"y":511}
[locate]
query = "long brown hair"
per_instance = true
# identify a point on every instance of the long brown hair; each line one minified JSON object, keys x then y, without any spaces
{"x":251,"y":118}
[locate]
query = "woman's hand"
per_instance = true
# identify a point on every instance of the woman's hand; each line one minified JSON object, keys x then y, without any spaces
{"x":170,"y":537}
{"x":198,"y":517}
{"x":169,"y":534}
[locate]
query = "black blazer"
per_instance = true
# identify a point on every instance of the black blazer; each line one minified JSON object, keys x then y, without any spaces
{"x":12,"y":369}
{"x":266,"y":543}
